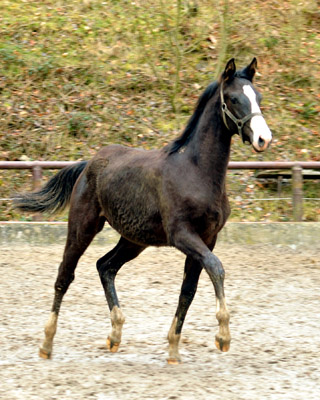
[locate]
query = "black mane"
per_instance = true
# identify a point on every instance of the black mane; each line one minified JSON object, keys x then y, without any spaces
{"x":191,"y":127}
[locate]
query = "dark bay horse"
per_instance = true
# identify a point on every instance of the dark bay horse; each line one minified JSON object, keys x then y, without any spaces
{"x":174,"y":196}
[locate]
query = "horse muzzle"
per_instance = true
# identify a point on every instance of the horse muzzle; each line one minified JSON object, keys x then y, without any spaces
{"x":261,"y":134}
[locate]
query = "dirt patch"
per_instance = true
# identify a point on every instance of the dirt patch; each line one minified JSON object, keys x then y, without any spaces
{"x":272,"y":293}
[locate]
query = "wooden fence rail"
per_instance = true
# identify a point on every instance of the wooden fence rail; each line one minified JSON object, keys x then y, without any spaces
{"x":296,"y":167}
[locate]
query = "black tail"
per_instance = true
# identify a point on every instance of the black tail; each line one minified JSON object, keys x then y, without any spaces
{"x":55,"y":194}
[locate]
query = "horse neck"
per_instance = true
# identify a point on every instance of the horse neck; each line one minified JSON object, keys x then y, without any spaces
{"x":209,"y":149}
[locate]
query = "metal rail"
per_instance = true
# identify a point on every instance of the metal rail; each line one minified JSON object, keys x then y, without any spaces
{"x":296,"y":167}
{"x":273,"y":164}
{"x":232,"y":164}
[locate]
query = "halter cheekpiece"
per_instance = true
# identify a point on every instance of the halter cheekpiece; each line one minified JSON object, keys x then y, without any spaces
{"x":238,"y":121}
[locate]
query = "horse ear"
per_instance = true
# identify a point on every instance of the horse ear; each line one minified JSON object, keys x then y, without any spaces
{"x":250,"y":70}
{"x":229,"y":71}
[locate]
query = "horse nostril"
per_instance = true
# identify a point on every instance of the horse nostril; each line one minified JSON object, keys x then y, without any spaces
{"x":261,"y":142}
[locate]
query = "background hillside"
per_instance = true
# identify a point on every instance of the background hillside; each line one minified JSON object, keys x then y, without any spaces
{"x":81,"y":74}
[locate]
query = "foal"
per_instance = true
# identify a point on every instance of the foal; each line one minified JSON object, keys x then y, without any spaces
{"x":174,"y":196}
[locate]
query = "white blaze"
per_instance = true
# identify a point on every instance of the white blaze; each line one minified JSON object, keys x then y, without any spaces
{"x":258,"y":124}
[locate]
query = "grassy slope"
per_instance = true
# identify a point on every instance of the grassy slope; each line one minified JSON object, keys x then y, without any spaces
{"x":84,"y":74}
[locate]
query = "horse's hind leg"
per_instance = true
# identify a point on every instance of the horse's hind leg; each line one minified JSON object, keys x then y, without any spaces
{"x":108,"y":266}
{"x":192,"y":272}
{"x":80,"y":234}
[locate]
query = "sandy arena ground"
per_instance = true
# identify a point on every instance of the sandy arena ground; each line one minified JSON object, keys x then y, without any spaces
{"x":273,"y":294}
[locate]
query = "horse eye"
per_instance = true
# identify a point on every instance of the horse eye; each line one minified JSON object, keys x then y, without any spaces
{"x":234,"y":100}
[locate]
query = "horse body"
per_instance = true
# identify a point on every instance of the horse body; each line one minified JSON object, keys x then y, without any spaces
{"x":136,"y":191}
{"x":128,"y":190}
{"x":175,"y":196}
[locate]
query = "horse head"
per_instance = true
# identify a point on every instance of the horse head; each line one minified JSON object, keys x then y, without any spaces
{"x":240,"y":106}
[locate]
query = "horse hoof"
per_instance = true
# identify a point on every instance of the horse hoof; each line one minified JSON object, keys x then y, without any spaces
{"x":44,"y":353}
{"x":221,"y":344}
{"x":173,"y":361}
{"x":112,"y":346}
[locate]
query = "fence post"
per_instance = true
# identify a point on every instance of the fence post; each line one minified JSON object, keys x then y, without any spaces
{"x":297,"y":193}
{"x":36,"y":177}
{"x":36,"y":184}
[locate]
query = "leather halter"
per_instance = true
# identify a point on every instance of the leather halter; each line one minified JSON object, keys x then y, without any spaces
{"x":240,"y":122}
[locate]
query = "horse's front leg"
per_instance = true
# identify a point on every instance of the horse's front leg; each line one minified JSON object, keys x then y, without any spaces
{"x":189,"y":286}
{"x":193,"y":246}
{"x":216,"y":273}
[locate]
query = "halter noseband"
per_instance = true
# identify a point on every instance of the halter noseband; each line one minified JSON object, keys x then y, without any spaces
{"x":239,"y":122}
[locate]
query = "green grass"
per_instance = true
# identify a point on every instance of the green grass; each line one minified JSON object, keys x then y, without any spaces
{"x":78,"y":75}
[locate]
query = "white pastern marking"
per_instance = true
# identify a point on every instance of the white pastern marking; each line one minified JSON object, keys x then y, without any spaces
{"x":217,"y":306}
{"x":258,"y":124}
